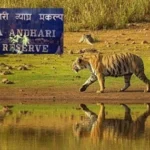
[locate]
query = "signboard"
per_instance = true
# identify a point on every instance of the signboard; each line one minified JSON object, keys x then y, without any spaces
{"x":29,"y":31}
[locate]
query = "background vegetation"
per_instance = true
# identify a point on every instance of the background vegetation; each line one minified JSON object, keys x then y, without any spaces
{"x":92,"y":14}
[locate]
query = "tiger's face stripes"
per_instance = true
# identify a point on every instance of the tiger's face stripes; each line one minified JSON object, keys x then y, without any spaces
{"x":98,"y":126}
{"x":100,"y":66}
{"x":80,"y":64}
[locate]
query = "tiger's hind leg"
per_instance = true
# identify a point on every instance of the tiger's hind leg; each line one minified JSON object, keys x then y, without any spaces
{"x":127,"y":115}
{"x":143,"y":117}
{"x":101,"y":115}
{"x":141,"y":75}
{"x":127,"y":79}
{"x":97,"y":128}
{"x":140,"y":121}
{"x":90,"y":114}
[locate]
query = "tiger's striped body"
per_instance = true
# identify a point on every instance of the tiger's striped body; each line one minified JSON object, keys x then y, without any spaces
{"x":101,"y":127}
{"x":122,"y":64}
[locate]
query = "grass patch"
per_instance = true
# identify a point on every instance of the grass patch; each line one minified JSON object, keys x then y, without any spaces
{"x":91,"y":14}
{"x":54,"y":72}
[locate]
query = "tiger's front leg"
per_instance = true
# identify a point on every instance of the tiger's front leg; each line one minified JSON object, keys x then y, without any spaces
{"x":127,"y":79}
{"x":88,"y":82}
{"x":90,"y":114}
{"x":97,"y":128}
{"x":101,"y":81}
{"x":127,"y":115}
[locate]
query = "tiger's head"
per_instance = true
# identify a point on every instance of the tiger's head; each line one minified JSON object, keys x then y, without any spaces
{"x":79,"y":64}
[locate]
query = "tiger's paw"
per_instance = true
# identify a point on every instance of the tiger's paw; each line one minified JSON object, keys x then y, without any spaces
{"x":101,"y":104}
{"x":98,"y":91}
{"x":84,"y":107}
{"x":83,"y":88}
{"x":121,"y":90}
{"x":146,"y":91}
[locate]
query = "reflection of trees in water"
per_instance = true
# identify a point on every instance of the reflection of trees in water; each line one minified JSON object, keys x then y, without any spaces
{"x":27,"y":138}
{"x":33,"y":131}
{"x":98,"y":127}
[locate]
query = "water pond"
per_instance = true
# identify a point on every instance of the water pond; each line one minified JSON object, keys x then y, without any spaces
{"x":51,"y":127}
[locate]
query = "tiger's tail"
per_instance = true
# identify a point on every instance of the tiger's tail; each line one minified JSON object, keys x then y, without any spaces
{"x":142,"y":76}
{"x":139,"y":70}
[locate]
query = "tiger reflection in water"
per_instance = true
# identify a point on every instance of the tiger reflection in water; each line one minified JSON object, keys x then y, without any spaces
{"x":98,"y":127}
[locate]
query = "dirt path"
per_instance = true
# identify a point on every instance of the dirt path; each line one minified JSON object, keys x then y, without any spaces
{"x":51,"y":96}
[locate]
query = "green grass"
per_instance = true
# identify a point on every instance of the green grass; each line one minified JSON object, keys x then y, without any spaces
{"x":92,"y":14}
{"x":112,"y":110}
{"x":54,"y":71}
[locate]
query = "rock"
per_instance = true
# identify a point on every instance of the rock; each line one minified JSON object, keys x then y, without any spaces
{"x":70,"y":52}
{"x":21,"y":90}
{"x":133,"y":42}
{"x":122,"y":34}
{"x":8,"y":67}
{"x":23,"y":67}
{"x":116,"y":43}
{"x":3,"y":65}
{"x":6,"y":72}
{"x":128,"y":39}
{"x":6,"y":81}
{"x":87,"y":38}
{"x":144,"y":42}
{"x":81,"y":51}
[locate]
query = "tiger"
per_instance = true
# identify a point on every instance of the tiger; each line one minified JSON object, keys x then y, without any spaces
{"x":98,"y":127}
{"x":115,"y":65}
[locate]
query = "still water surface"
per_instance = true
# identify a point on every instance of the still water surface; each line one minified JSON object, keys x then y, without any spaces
{"x":23,"y":130}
